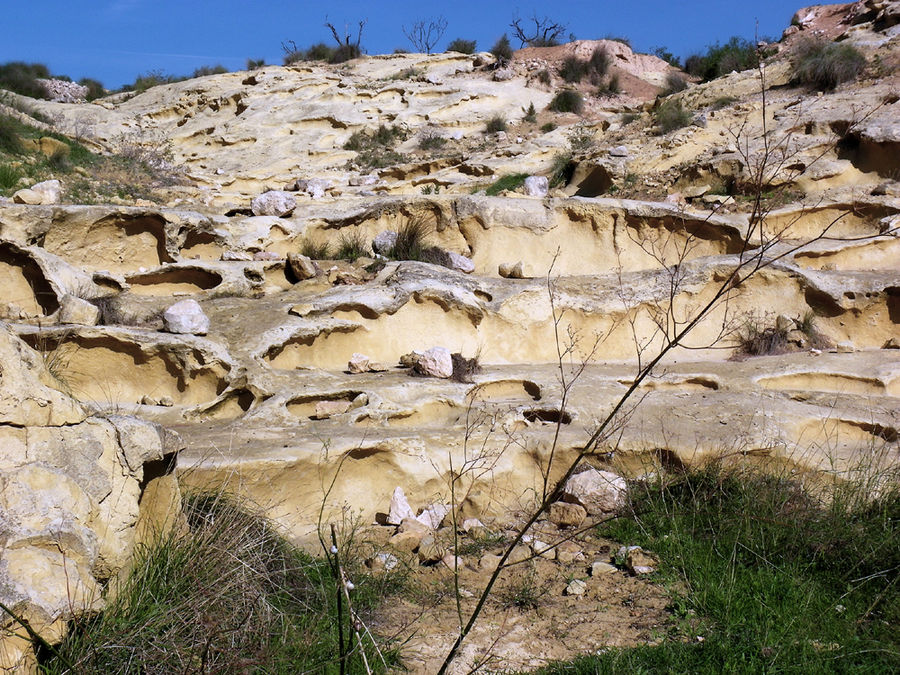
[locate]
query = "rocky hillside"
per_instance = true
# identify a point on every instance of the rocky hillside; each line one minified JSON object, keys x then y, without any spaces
{"x":262,"y":304}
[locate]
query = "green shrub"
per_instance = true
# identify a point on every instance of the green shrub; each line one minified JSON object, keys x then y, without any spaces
{"x":667,"y":56}
{"x":548,"y":127}
{"x":255,"y":64}
{"x":510,"y":182}
{"x":10,"y":140}
{"x":736,"y":54}
{"x":756,"y":340}
{"x":462,"y":46}
{"x":671,"y":115}
{"x":502,"y":49}
{"x":495,"y":124}
{"x":543,"y":77}
{"x":567,"y":100}
{"x":530,"y":113}
{"x":9,"y":176}
{"x":153,"y":78}
{"x":95,"y":88}
{"x":345,"y":53}
{"x":825,"y":65}
{"x":22,"y":78}
{"x":375,"y":148}
{"x":611,"y":88}
{"x":203,"y":71}
{"x":573,"y":69}
{"x":229,"y":596}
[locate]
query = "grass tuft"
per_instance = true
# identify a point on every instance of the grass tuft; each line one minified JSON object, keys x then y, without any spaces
{"x":671,"y":115}
{"x":410,"y":244}
{"x":495,"y":124}
{"x":567,"y":100}
{"x":315,"y":250}
{"x":352,"y":245}
{"x":825,"y":65}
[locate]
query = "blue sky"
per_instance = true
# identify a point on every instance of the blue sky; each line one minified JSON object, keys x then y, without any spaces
{"x":115,"y":40}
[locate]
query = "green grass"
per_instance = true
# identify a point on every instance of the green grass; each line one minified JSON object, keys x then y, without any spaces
{"x":772,"y":578}
{"x":230,"y":596}
{"x":9,"y":176}
{"x":511,"y":181}
{"x":10,"y":135}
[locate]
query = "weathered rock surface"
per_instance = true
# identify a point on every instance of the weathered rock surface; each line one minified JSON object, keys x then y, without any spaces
{"x":70,"y":498}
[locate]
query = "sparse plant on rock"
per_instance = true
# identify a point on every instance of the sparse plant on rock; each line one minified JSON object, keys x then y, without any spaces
{"x":495,"y":124}
{"x":567,"y":101}
{"x":825,"y":65}
{"x":502,"y":50}
{"x":671,"y":115}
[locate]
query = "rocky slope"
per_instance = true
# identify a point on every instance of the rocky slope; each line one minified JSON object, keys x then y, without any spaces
{"x":643,"y":231}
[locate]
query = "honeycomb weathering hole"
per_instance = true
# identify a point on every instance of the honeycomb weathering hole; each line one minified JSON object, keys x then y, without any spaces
{"x":548,"y":415}
{"x":167,"y":281}
{"x":24,"y":284}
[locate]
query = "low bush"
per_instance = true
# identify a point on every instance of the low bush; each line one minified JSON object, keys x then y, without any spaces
{"x":512,"y":181}
{"x":547,"y":127}
{"x":255,"y":64}
{"x":574,"y":70}
{"x":767,"y":573}
{"x":736,"y":54}
{"x":825,"y":65}
{"x":462,"y":46}
{"x":543,"y":77}
{"x":671,"y":115}
{"x":562,"y":170}
{"x":754,"y":339}
{"x":229,"y":596}
{"x":502,"y":50}
{"x":153,"y":78}
{"x":375,"y":148}
{"x":22,"y":78}
{"x":495,"y":124}
{"x":431,"y":140}
{"x":567,"y":101}
{"x":612,"y":87}
{"x":203,"y":71}
{"x":95,"y":88}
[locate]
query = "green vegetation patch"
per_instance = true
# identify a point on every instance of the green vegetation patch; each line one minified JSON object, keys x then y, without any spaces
{"x":512,"y":181}
{"x":767,"y":575}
